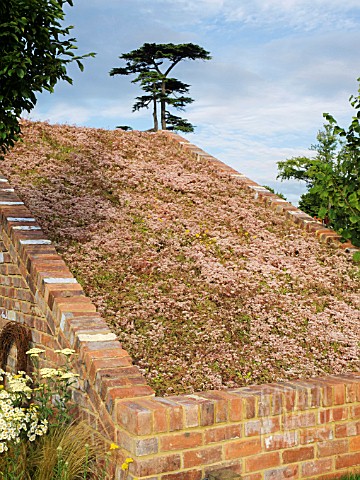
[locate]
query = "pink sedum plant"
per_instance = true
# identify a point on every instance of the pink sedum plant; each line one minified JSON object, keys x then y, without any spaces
{"x":204,"y":287}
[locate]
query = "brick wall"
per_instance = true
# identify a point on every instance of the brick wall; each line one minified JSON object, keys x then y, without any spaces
{"x":300,"y":429}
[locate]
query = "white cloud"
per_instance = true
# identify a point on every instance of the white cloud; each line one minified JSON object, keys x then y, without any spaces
{"x":298,"y":14}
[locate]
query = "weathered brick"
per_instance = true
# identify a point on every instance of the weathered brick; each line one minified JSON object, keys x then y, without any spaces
{"x":262,"y":461}
{"x":219,"y":434}
{"x":203,"y":456}
{"x":191,"y":410}
{"x":355,"y":412}
{"x":347,"y":460}
{"x":236,"y":408}
{"x":262,"y":426}
{"x":298,"y":454}
{"x":134,"y":417}
{"x":220,"y":405}
{"x":317,"y":467}
{"x":147,"y":467}
{"x":242,"y":448}
{"x":159,"y":414}
{"x":289,"y":472}
{"x":207,"y":413}
{"x":354,"y":444}
{"x":349,"y":429}
{"x":146,"y":446}
{"x":333,"y":414}
{"x":180,"y":441}
{"x":175,"y":413}
{"x":332,"y":447}
{"x":183,"y":475}
{"x":281,"y":440}
{"x":294,"y":421}
{"x":318,"y":434}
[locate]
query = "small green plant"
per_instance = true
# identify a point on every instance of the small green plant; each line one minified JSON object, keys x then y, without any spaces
{"x":356,"y":257}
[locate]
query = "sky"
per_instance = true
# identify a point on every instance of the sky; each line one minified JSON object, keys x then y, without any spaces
{"x":276,"y":66}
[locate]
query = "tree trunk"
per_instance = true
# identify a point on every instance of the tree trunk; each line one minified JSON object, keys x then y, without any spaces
{"x":156,"y":123}
{"x":163,"y":104}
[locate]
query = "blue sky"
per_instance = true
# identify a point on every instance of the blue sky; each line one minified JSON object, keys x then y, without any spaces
{"x":276,"y":66}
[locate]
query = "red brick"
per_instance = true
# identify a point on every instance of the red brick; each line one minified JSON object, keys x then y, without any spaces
{"x":219,"y":434}
{"x":220,"y":405}
{"x":354,"y":444}
{"x":180,"y":441}
{"x":119,"y":393}
{"x":207,"y":413}
{"x":347,"y":460}
{"x":262,"y":461}
{"x":159,"y":411}
{"x":176,"y":419}
{"x":349,"y":429}
{"x":175,"y":413}
{"x":289,"y":472}
{"x":298,"y":454}
{"x":134,"y":417}
{"x":250,"y":407}
{"x":191,"y":411}
{"x":152,"y":466}
{"x":236,"y":409}
{"x":204,"y":456}
{"x":317,"y":467}
{"x":334,"y":414}
{"x":355,"y":412}
{"x":332,"y":447}
{"x":339,"y":394}
{"x":183,"y":475}
{"x":352,"y":392}
{"x":252,"y":476}
{"x":242,"y":448}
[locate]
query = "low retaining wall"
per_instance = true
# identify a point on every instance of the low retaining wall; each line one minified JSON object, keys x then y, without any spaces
{"x":300,"y":429}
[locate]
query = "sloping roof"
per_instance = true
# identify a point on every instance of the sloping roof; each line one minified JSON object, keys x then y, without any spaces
{"x":204,"y":286}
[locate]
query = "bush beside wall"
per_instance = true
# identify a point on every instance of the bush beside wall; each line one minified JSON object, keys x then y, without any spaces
{"x":299,"y":429}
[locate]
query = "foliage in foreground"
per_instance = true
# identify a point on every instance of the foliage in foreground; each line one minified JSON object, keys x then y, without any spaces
{"x":34,"y":53}
{"x":332,"y":176}
{"x":38,"y":438}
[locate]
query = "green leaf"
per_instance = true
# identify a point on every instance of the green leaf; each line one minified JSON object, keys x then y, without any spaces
{"x":322,"y":212}
{"x":356,"y":257}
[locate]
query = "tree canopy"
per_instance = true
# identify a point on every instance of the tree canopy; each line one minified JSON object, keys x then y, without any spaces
{"x":152,"y":63}
{"x":35,"y":50}
{"x":332,"y":176}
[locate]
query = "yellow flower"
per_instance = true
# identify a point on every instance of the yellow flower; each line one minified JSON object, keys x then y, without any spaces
{"x":34,"y":352}
{"x":113,"y":446}
{"x":129,"y":460}
{"x":124,"y":466}
{"x":66,"y":351}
